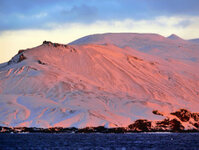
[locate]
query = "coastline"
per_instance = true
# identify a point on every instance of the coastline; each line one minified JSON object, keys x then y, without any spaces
{"x":181,"y":121}
{"x":99,"y":129}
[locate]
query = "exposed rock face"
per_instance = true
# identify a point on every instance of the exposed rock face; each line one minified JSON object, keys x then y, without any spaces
{"x":40,"y":62}
{"x":175,"y":125}
{"x":140,"y":125}
{"x":49,"y":43}
{"x":20,"y":51}
{"x":183,"y":114}
{"x":17,"y":58}
{"x":156,"y":112}
{"x":196,"y":125}
{"x":162,"y":125}
{"x":195,"y":116}
{"x":183,"y":120}
{"x":21,"y":58}
{"x":169,"y":125}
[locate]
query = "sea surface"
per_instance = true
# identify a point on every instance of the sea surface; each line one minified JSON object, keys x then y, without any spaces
{"x":162,"y":141}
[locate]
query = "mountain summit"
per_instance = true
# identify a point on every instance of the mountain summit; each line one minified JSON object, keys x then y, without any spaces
{"x":119,"y":39}
{"x":153,"y":44}
{"x":95,"y":84}
{"x":174,"y":37}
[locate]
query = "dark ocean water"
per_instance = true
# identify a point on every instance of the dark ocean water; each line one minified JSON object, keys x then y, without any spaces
{"x":162,"y":141}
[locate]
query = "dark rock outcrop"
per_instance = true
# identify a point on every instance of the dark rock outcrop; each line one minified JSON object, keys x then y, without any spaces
{"x":42,"y":63}
{"x":17,"y":58}
{"x":49,"y":43}
{"x":175,"y":125}
{"x":196,"y":125}
{"x":140,"y":125}
{"x":156,"y":112}
{"x":169,"y":125}
{"x":195,"y":116}
{"x":21,"y":58}
{"x":183,"y":114}
{"x":20,"y":51}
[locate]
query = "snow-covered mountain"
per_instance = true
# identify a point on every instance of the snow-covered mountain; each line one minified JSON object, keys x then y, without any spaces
{"x":99,"y":80}
{"x":175,"y":37}
{"x":154,"y":44}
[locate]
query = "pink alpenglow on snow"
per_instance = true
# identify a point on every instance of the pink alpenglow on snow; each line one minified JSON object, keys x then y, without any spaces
{"x":106,"y":80}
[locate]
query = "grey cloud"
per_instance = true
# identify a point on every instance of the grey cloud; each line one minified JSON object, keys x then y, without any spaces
{"x":184,"y":23}
{"x":20,"y":14}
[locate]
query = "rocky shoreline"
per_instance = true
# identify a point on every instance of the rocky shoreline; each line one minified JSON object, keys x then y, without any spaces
{"x":179,"y":121}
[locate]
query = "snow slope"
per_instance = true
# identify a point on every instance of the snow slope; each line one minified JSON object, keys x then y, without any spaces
{"x":91,"y":85}
{"x":194,"y":41}
{"x":154,"y":44}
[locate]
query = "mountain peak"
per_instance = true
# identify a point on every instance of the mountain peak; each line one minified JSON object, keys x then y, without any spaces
{"x":174,"y":37}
